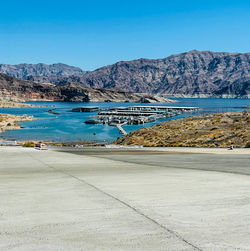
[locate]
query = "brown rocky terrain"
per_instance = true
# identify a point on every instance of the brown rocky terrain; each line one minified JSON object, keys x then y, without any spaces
{"x":11,"y":87}
{"x":213,"y":130}
{"x":10,"y":122}
{"x":19,"y":89}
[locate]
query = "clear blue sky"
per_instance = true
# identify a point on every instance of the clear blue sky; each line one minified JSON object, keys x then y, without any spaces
{"x":93,"y":33}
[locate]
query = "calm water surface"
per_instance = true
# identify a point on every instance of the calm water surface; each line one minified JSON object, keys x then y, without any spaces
{"x":69,"y":126}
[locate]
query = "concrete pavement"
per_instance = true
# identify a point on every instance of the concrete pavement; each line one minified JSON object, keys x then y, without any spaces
{"x":60,"y":201}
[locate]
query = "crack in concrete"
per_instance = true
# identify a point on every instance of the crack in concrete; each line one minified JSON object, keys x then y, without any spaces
{"x":178,"y":236}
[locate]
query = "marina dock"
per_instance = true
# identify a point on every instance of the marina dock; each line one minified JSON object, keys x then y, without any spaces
{"x":122,"y":131}
{"x":155,"y":109}
{"x":85,"y":109}
{"x":136,"y":115}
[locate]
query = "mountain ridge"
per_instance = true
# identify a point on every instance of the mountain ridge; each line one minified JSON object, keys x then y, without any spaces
{"x":193,"y":73}
{"x":26,"y":71}
{"x":187,"y":73}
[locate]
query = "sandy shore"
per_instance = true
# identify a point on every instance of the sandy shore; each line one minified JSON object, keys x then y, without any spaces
{"x":54,"y":200}
{"x":12,"y":104}
{"x":10,"y":122}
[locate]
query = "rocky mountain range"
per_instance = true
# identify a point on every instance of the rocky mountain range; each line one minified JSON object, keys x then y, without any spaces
{"x":194,"y":73}
{"x":191,"y":73}
{"x":23,"y":90}
{"x":40,"y":72}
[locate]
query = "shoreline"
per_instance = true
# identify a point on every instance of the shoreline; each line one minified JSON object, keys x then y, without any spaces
{"x":224,"y":96}
{"x":72,"y":142}
{"x":11,"y":122}
{"x":15,"y":104}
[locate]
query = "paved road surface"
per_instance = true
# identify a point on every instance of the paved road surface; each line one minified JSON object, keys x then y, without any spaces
{"x":61,"y":201}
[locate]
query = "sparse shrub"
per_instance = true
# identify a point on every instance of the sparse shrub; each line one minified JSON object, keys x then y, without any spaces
{"x":29,"y":144}
{"x":247,"y":144}
{"x":236,"y":120}
{"x":237,"y":127}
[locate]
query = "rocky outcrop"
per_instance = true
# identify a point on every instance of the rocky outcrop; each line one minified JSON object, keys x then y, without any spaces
{"x":11,"y":87}
{"x":18,"y":89}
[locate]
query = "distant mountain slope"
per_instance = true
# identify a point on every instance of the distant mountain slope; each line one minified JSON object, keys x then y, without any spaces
{"x":195,"y":73}
{"x":17,"y":89}
{"x":238,"y":88}
{"x":40,"y":72}
{"x":26,"y":90}
{"x":188,"y":73}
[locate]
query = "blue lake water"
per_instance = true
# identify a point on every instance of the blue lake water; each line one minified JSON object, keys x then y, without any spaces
{"x":69,"y":126}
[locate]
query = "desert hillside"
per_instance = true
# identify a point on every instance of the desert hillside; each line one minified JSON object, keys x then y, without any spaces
{"x":213,"y":130}
{"x":18,"y":89}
